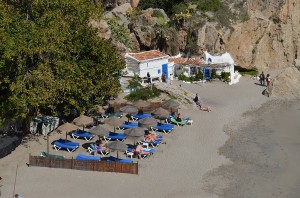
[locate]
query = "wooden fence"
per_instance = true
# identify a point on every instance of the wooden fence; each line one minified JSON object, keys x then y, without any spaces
{"x":101,"y":166}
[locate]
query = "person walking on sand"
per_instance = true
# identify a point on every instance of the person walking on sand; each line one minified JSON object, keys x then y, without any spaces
{"x":262,"y":79}
{"x":196,"y":99}
{"x":268,"y":80}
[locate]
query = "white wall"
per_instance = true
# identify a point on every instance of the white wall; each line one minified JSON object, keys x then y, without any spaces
{"x":152,"y":67}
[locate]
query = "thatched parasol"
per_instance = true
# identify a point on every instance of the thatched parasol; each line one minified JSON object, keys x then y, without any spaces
{"x":129,"y":109}
{"x":117,"y":146}
{"x":113,"y":121}
{"x":83,"y":121}
{"x":147,"y":122}
{"x":99,"y":131}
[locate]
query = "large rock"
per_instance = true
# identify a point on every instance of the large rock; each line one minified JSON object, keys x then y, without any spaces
{"x":287,"y":84}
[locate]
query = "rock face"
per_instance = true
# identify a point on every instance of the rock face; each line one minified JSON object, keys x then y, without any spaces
{"x":287,"y":84}
{"x":270,"y":39}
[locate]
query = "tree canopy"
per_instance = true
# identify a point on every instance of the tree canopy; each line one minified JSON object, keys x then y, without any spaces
{"x":51,"y":59}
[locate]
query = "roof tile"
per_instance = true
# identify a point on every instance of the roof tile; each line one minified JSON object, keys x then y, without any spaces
{"x":142,"y":56}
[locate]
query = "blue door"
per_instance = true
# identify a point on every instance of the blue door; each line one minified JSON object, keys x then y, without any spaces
{"x":165,"y":70}
{"x":206,"y":73}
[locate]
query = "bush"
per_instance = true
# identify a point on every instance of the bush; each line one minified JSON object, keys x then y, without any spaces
{"x":214,"y":74}
{"x":199,"y":76}
{"x":143,"y":94}
{"x":225,"y":76}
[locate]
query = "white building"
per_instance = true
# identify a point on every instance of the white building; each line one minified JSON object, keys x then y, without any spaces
{"x":205,"y":64}
{"x":154,"y":62}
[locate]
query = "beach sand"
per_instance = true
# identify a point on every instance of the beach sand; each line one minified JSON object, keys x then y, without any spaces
{"x":190,"y":164}
{"x":264,"y":148}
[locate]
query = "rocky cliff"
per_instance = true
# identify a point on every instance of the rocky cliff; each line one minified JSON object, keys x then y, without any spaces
{"x":268,"y":38}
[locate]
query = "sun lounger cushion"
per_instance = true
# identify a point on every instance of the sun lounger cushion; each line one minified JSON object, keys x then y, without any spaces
{"x":132,"y":123}
{"x":87,"y":157}
{"x":115,"y":136}
{"x":114,"y":159}
{"x":166,"y":128}
{"x":67,"y":142}
{"x":69,"y":146}
{"x":82,"y":134}
{"x":45,"y":154}
{"x":141,"y":116}
{"x":181,"y":123}
{"x":128,"y":126}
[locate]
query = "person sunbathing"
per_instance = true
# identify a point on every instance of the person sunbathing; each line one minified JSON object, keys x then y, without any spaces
{"x":204,"y":108}
{"x":101,"y":147}
{"x":179,"y":118}
{"x":150,"y":137}
{"x":139,"y":151}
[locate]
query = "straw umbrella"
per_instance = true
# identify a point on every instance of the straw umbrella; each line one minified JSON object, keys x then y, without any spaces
{"x":147,"y":122}
{"x":64,"y":128}
{"x":83,"y":121}
{"x":129,"y":109}
{"x":136,"y":134}
{"x":113,"y":121}
{"x":160,"y":113}
{"x":117,"y":146}
{"x":171,"y":104}
{"x":99,"y":131}
{"x":142,"y":104}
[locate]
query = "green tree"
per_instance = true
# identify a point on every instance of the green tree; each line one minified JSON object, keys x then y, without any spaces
{"x":51,"y":59}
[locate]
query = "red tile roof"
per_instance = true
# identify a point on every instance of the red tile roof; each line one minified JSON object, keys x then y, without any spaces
{"x":187,"y":61}
{"x":142,"y":56}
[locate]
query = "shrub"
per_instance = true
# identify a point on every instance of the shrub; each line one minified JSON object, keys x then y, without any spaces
{"x":119,"y":32}
{"x":225,"y":76}
{"x":143,"y":94}
{"x":199,"y":76}
{"x":157,"y":14}
{"x":213,"y":73}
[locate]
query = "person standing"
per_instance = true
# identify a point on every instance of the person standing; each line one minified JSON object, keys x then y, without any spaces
{"x":268,"y":80}
{"x":163,"y":77}
{"x":196,"y":99}
{"x":149,"y":78}
{"x":262,"y":79}
{"x":171,"y":79}
{"x":0,"y":185}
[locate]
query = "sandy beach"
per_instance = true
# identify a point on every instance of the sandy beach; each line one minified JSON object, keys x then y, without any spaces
{"x":201,"y":160}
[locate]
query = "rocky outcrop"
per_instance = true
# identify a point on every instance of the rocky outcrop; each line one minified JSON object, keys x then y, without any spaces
{"x":286,"y":84}
{"x":270,"y":39}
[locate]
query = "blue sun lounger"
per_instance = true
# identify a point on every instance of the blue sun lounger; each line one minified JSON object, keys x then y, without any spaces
{"x":69,"y":146}
{"x":82,"y":134}
{"x":141,"y":116}
{"x":130,"y":125}
{"x":114,"y":136}
{"x":166,"y":128}
{"x":87,"y":157}
{"x":114,"y":159}
{"x":155,"y":143}
{"x":67,"y":142}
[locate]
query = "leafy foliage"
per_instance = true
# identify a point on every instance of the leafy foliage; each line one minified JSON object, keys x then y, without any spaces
{"x":120,"y":32}
{"x":51,"y":60}
{"x":143,"y":94}
{"x":225,"y":76}
{"x":135,"y":82}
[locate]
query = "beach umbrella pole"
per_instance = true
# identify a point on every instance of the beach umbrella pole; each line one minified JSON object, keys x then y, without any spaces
{"x":47,"y":143}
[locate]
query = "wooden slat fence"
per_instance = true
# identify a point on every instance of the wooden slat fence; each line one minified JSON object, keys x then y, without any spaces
{"x":101,"y":166}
